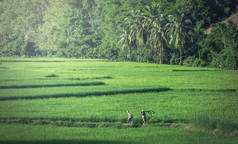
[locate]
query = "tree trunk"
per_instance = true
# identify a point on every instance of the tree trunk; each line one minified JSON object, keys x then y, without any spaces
{"x":161,"y":55}
{"x":199,"y":54}
{"x":181,"y":55}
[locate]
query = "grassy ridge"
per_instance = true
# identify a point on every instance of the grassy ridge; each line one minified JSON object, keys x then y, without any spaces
{"x":169,"y":106}
{"x":27,"y":134}
{"x":123,"y":74}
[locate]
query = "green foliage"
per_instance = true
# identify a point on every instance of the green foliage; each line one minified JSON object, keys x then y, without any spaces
{"x":19,"y":21}
{"x":178,"y":29}
{"x":144,"y":30}
{"x":199,"y":62}
{"x":222,"y":43}
{"x":174,"y":59}
{"x":159,"y":31}
{"x":189,"y":61}
{"x":211,"y":122}
{"x":193,"y":61}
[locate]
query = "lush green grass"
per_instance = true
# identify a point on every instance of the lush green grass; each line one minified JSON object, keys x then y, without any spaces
{"x":101,"y":91}
{"x":169,"y":106}
{"x":28,"y":134}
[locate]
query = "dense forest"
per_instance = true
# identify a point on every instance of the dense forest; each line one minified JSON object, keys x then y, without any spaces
{"x":158,"y":31}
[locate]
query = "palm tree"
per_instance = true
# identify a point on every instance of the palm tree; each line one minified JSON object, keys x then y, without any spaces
{"x":158,"y":42}
{"x":157,"y":38}
{"x":131,"y":35}
{"x":144,"y":27}
{"x":125,"y":41}
{"x":177,"y":30}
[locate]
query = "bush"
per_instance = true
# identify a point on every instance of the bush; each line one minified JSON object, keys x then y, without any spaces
{"x":223,"y":47}
{"x":189,"y":61}
{"x":195,"y":62}
{"x":211,"y":122}
{"x":199,"y":63}
{"x":174,"y":59}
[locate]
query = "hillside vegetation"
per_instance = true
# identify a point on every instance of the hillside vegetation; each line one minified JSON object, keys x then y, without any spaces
{"x":158,"y":31}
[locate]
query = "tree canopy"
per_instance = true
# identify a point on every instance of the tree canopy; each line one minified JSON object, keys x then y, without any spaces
{"x":159,"y":31}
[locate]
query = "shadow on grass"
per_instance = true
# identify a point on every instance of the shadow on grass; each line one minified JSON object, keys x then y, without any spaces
{"x":161,"y":121}
{"x":204,"y":90}
{"x":64,"y":142}
{"x":86,"y":94}
{"x":52,"y":76}
{"x":3,"y":67}
{"x":90,"y":122}
{"x":53,"y":85}
{"x":175,"y":121}
{"x":105,"y":77}
{"x":177,"y":70}
{"x":146,"y":66}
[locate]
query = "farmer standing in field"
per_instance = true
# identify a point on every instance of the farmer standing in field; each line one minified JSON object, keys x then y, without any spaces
{"x":143,"y":116}
{"x":129,"y":117}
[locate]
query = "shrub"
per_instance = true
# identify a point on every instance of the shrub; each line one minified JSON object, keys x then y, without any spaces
{"x":189,"y":61}
{"x":195,"y":62}
{"x":51,"y":75}
{"x":226,"y":125}
{"x":211,"y":122}
{"x":199,"y":63}
{"x":174,"y":59}
{"x":223,"y":47}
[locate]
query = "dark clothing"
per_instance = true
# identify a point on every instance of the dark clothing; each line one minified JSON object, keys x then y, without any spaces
{"x":143,"y":114}
{"x":143,"y":117}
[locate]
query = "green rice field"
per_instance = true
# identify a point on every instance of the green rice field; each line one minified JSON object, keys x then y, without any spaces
{"x":57,"y":100}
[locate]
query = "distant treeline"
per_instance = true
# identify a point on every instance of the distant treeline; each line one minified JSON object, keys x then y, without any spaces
{"x":159,"y":31}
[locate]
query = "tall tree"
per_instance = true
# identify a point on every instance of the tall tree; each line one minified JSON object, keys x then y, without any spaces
{"x":53,"y":30}
{"x":157,"y":37}
{"x":178,"y":30}
{"x":19,"y":22}
{"x":145,"y":29}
